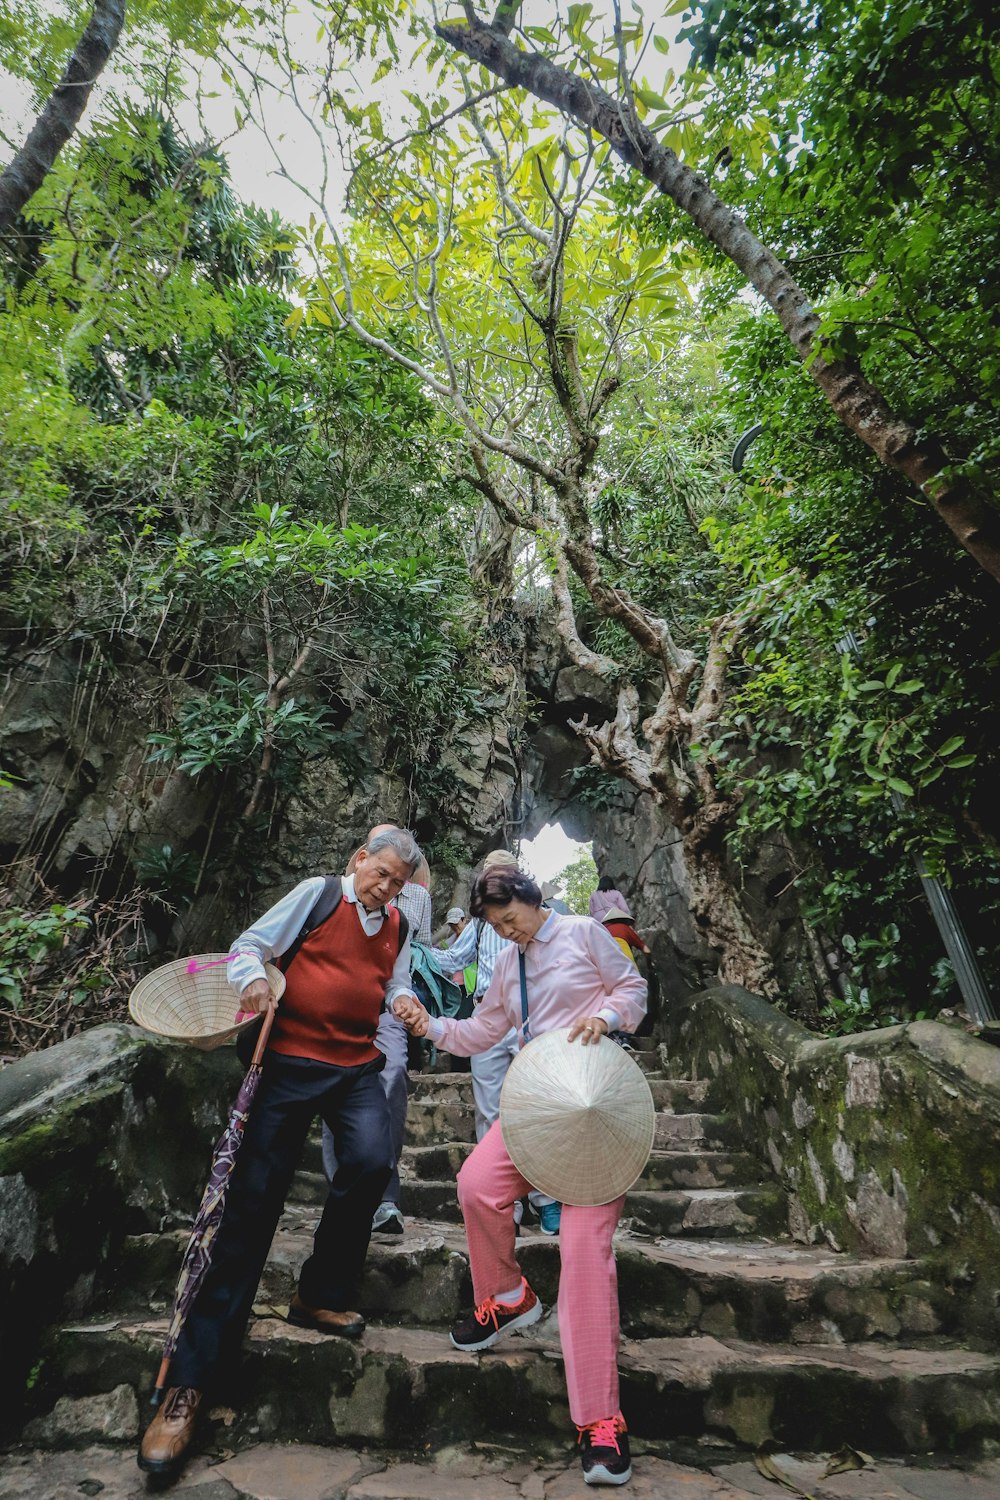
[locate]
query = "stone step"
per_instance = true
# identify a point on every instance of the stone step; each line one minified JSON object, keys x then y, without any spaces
{"x":403,"y":1387}
{"x":675,"y":1094}
{"x":489,"y":1471}
{"x":701,"y":1212}
{"x":689,"y":1151}
{"x":674,"y":1211}
{"x":750,"y":1289}
{"x":429,"y":1121}
{"x":685,"y":1169}
{"x":697,"y":1132}
{"x":447,"y":1123}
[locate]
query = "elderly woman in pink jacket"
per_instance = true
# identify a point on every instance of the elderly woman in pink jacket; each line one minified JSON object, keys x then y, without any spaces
{"x":576,"y":976}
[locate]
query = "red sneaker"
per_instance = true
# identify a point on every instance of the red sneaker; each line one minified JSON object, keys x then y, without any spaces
{"x":492,"y":1318}
{"x":605,"y":1452}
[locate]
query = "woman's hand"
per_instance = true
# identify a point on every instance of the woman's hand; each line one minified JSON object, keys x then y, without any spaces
{"x":589,"y":1029}
{"x":412,"y":1014}
{"x":256,"y":996}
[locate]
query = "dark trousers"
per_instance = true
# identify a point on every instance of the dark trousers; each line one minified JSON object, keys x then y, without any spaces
{"x":291,"y":1093}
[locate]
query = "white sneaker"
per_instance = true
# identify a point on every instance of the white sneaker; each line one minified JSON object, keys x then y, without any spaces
{"x":387,"y":1219}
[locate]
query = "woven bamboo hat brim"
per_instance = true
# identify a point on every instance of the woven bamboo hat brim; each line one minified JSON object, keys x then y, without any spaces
{"x":616,"y":915}
{"x":577,"y":1121}
{"x":198,"y":1008}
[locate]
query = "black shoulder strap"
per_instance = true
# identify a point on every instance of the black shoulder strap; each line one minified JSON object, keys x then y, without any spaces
{"x":324,"y":906}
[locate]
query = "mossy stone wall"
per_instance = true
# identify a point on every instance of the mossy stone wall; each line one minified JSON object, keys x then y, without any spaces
{"x":105,"y":1135}
{"x":887,"y":1142}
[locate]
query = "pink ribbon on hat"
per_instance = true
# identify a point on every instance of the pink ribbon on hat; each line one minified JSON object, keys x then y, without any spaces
{"x":194,"y":967}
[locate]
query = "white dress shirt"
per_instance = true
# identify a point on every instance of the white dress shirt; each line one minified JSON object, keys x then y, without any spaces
{"x":275,"y":932}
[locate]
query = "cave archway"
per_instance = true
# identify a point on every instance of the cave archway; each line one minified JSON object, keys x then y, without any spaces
{"x":630,"y":839}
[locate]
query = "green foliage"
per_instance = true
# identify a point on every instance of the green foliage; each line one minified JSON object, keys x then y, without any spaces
{"x":861,"y":726}
{"x":62,"y":965}
{"x":444,"y":852}
{"x":877,"y":182}
{"x":27,"y":937}
{"x":594,"y":787}
{"x":862,"y":723}
{"x":167,"y":872}
{"x":253,"y":533}
{"x":250,"y":523}
{"x":578,"y":882}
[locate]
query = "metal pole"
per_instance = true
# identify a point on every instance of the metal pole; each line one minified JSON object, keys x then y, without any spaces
{"x":975,"y":993}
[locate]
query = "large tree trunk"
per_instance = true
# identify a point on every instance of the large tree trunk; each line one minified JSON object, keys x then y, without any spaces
{"x":861,"y":408}
{"x":719,"y":915}
{"x":67,"y":102}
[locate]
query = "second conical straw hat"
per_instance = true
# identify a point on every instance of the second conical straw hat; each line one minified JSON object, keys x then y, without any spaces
{"x":577,"y":1121}
{"x":190,"y":1000}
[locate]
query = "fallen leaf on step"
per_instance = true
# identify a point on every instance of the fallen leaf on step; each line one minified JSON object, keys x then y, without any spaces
{"x":845,"y":1459}
{"x":764,"y":1462}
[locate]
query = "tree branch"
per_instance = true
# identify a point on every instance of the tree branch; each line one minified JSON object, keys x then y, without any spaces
{"x":23,"y":177}
{"x":858,"y":404}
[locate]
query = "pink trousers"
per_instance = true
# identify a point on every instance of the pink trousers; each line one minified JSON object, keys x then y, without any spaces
{"x":488,"y":1184}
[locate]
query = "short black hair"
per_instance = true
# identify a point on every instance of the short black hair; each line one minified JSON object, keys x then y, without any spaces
{"x":502,"y":886}
{"x":605,"y":883}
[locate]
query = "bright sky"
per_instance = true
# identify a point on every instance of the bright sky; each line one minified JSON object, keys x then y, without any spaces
{"x":255,"y":173}
{"x":549,"y":852}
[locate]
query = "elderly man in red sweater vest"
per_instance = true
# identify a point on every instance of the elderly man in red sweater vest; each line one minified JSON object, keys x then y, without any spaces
{"x":321,"y":1060}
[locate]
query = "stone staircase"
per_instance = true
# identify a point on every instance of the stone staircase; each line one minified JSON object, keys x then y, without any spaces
{"x":732,"y":1333}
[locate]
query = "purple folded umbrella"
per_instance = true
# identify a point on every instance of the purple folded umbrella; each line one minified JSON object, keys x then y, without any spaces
{"x":198,"y":1255}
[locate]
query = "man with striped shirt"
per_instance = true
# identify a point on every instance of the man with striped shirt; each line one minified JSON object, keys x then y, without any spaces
{"x":479,"y":944}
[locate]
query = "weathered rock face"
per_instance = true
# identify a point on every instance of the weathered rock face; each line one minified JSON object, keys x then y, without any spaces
{"x":85,"y":793}
{"x":887,"y":1141}
{"x":636,"y":845}
{"x":88,"y":804}
{"x":89,"y":1138}
{"x":89,"y":801}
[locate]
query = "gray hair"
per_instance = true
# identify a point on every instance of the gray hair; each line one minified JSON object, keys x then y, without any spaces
{"x":401,"y":842}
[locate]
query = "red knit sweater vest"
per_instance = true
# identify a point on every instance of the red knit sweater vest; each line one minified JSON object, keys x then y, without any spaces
{"x":334,"y":990}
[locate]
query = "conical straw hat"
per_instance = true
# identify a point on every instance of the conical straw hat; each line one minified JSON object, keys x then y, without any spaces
{"x":198,"y":1007}
{"x":577,"y":1121}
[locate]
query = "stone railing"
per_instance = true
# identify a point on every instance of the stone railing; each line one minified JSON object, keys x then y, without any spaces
{"x":103,"y":1136}
{"x":887,"y":1142}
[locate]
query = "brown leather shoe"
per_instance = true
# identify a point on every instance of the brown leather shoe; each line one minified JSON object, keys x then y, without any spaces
{"x":168,"y":1436}
{"x":348,"y":1325}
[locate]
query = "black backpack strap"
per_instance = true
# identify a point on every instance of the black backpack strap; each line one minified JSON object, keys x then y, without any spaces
{"x":324,"y":906}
